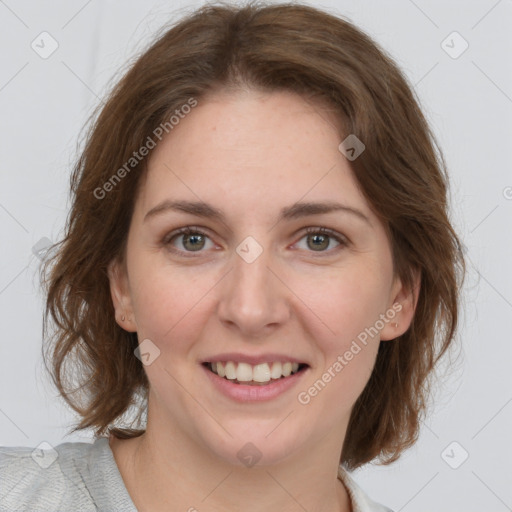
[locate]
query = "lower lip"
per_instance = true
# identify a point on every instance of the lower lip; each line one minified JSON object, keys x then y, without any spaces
{"x":246,"y":393}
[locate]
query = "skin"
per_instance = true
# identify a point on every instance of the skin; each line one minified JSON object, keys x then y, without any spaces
{"x":250,"y":154}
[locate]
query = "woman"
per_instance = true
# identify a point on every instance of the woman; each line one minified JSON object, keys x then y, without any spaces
{"x":259,"y":260}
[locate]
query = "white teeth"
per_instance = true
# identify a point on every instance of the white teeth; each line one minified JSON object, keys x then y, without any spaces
{"x":262,"y":372}
{"x":277,"y":370}
{"x":230,"y":370}
{"x":244,"y":372}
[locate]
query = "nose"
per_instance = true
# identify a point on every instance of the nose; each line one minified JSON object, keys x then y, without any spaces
{"x":254,"y":300}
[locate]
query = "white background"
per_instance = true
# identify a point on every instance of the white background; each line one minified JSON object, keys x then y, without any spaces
{"x":468,"y":100}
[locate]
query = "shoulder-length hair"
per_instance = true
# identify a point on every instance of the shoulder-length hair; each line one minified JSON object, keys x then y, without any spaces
{"x":401,"y":172}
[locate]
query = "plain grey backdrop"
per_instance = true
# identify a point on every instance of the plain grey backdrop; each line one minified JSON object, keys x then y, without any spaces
{"x":457,"y":56}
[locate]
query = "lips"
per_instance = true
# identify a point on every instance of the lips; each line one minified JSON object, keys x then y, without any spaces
{"x":253,"y":359}
{"x":244,"y":368}
{"x":262,"y":373}
{"x":253,"y":377}
{"x":251,"y":391}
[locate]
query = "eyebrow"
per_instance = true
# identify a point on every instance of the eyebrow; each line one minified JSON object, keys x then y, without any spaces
{"x":295,"y":211}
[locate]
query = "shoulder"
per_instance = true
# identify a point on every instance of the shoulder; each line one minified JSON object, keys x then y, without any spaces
{"x":361,"y":502}
{"x":69,"y":476}
{"x":42,"y":479}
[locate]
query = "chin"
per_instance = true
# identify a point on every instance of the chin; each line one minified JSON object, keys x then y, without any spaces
{"x":267,"y":443}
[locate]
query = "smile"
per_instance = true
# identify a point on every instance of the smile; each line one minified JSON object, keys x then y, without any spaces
{"x":251,"y":391}
{"x":254,"y":375}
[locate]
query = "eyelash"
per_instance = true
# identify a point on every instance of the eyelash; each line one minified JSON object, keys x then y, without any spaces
{"x":192,"y":230}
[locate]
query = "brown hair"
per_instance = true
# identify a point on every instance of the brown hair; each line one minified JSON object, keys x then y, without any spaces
{"x":402,"y":174}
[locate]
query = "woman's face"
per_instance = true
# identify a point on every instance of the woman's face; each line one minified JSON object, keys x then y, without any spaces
{"x":249,"y":283}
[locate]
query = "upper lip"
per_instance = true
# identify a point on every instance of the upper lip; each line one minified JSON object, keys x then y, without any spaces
{"x":252,"y":359}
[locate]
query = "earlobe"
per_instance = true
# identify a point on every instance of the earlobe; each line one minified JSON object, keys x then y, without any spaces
{"x":121,"y":299}
{"x":400,"y":313}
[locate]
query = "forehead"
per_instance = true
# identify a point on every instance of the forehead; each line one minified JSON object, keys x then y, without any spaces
{"x":252,"y":150}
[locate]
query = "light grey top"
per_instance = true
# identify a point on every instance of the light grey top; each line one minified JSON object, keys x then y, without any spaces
{"x":84,"y":477}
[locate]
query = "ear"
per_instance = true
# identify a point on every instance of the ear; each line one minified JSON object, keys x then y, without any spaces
{"x":403,"y":301}
{"x":121,"y":298}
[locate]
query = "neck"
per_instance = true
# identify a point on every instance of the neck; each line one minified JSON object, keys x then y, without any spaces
{"x":172,"y":477}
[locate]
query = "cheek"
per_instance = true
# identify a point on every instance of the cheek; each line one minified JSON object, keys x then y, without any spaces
{"x":345,"y":303}
{"x":350,"y":308}
{"x":169,"y":303}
